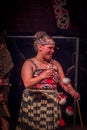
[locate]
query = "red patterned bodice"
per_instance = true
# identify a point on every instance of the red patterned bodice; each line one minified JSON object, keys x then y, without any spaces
{"x":49,"y":82}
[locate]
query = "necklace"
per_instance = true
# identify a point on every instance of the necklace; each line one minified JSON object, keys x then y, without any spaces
{"x":42,"y":61}
{"x":48,"y":64}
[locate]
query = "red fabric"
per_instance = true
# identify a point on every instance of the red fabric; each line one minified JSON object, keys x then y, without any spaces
{"x":61,"y":122}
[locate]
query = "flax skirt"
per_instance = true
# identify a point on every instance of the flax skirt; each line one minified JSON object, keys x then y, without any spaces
{"x":38,"y":111}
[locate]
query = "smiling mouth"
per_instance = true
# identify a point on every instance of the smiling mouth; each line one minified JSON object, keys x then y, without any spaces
{"x":51,"y":55}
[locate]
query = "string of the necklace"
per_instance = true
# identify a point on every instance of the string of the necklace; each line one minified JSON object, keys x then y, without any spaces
{"x":44,"y":62}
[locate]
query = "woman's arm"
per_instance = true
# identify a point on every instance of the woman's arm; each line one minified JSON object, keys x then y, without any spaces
{"x":66,"y":86}
{"x":27,"y":75}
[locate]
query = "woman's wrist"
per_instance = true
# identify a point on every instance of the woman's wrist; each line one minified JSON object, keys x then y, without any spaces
{"x":72,"y":93}
{"x":70,"y":90}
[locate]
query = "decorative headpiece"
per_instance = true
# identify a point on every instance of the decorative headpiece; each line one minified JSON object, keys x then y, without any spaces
{"x":41,"y":37}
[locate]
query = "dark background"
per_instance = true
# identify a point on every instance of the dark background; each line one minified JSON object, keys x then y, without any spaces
{"x":29,"y":16}
{"x":25,"y":18}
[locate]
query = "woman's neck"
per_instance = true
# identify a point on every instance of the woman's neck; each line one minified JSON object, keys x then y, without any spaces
{"x":42,"y":60}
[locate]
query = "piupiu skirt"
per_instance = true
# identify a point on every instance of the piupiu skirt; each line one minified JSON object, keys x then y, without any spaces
{"x":39,"y":110}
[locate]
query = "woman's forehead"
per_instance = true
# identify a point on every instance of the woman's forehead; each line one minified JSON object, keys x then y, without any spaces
{"x":49,"y":42}
{"x":49,"y":45}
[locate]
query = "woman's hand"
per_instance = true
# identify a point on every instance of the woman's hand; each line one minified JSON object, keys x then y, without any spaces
{"x":75,"y":95}
{"x":73,"y":92}
{"x":47,"y":73}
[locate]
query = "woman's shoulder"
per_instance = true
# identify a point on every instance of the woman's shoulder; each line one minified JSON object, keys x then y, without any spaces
{"x":56,"y":62}
{"x":31,"y":62}
{"x":28,"y":62}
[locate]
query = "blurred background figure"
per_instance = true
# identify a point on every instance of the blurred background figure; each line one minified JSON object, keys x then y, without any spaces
{"x":6,"y":65}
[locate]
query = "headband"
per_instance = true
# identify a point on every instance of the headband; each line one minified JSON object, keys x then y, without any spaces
{"x":43,"y":42}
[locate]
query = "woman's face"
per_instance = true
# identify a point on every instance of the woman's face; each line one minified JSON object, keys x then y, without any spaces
{"x":47,"y":50}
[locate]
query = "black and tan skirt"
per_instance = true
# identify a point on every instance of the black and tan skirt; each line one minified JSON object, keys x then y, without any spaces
{"x":39,"y":110}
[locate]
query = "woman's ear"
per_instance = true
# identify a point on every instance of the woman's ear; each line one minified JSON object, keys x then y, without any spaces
{"x":40,"y":47}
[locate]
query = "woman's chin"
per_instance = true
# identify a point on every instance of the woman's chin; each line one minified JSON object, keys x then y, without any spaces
{"x":49,"y":59}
